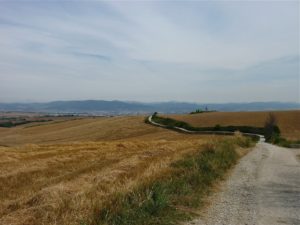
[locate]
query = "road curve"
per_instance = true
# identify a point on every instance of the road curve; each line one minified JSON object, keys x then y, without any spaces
{"x":261,"y":137}
{"x":264,"y":189}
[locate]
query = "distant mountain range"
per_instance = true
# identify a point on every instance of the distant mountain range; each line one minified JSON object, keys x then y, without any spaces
{"x":100,"y":107}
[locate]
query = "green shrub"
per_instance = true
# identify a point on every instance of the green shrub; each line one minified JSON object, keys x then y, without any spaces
{"x":217,"y":127}
{"x":271,"y":130}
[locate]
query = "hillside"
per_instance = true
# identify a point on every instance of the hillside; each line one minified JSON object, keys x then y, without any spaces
{"x":102,"y":107}
{"x":86,"y":129}
{"x":60,"y":172}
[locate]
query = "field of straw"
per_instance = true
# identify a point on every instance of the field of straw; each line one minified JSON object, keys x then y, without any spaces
{"x":60,"y":172}
{"x":88,"y":129}
{"x":288,"y":121}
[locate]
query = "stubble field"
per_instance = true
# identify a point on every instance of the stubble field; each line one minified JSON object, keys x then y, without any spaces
{"x":60,"y":172}
{"x":288,"y":121}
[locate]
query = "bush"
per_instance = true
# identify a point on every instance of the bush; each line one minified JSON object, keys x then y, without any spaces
{"x":217,"y":127}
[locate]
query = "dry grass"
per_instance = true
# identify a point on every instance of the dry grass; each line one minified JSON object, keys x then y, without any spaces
{"x":83,"y":163}
{"x":60,"y":184}
{"x":288,"y":121}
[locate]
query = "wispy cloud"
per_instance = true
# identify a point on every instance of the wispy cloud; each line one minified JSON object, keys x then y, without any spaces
{"x":195,"y":51}
{"x":92,"y":55}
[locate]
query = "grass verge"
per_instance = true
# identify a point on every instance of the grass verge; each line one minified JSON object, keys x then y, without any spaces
{"x":175,"y":195}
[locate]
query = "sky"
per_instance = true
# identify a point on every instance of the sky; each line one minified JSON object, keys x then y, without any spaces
{"x":194,"y":51}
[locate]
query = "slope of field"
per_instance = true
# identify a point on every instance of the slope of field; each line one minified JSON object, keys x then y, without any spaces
{"x":88,"y":129}
{"x":60,"y":172}
{"x":288,"y":121}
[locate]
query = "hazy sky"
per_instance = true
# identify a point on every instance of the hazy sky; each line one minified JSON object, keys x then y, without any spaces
{"x":214,"y":51}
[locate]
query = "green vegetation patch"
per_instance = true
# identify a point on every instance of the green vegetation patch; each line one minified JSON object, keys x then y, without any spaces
{"x":273,"y":135}
{"x":9,"y":124}
{"x":197,"y":111}
{"x":280,"y":141}
{"x":171,"y":123}
{"x":12,"y":124}
{"x":175,"y":196}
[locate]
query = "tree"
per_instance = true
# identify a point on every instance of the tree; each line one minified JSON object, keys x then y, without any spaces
{"x":272,"y":131}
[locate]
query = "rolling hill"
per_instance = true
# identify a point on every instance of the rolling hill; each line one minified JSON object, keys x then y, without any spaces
{"x":101,"y":107}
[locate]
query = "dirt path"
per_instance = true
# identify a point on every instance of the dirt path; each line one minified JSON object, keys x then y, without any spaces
{"x":263,"y":189}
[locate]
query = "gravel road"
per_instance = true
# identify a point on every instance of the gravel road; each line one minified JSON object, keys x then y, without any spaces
{"x":263,"y":189}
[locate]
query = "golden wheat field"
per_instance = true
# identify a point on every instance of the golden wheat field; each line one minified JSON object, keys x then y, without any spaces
{"x":60,"y":172}
{"x":288,"y":121}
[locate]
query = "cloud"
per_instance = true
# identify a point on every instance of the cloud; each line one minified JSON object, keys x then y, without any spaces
{"x":149,"y":50}
{"x":228,"y":35}
{"x":92,"y":55}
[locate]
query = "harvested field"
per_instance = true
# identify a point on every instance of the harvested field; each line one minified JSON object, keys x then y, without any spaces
{"x":60,"y":184}
{"x":80,"y":165}
{"x":88,"y":129}
{"x":288,"y":121}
